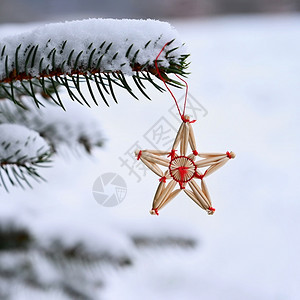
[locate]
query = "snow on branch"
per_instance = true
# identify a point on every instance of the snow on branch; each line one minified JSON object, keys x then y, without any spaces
{"x":21,"y":151}
{"x":76,"y":128}
{"x":99,"y":50}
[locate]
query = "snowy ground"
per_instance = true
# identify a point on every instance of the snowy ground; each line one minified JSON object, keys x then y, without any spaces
{"x":245,"y":73}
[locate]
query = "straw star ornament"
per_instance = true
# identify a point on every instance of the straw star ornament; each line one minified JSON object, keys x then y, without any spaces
{"x":182,"y":169}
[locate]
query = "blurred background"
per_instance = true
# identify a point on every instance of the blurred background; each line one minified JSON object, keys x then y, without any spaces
{"x":34,"y":10}
{"x":57,"y":242}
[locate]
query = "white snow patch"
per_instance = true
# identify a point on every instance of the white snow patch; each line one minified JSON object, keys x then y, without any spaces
{"x":17,"y":142}
{"x":59,"y":127}
{"x":121,"y":34}
{"x":245,"y":72}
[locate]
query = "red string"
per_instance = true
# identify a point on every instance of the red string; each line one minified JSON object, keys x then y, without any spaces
{"x":139,"y":155}
{"x":163,"y":179}
{"x":228,"y":154}
{"x":182,"y":172}
{"x":172,"y":154}
{"x":186,"y":93}
{"x":186,"y":85}
{"x":200,"y":176}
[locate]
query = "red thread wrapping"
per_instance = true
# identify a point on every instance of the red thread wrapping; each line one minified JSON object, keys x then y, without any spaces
{"x":139,"y":155}
{"x":195,"y":152}
{"x":200,"y":176}
{"x":163,"y":179}
{"x":156,"y":211}
{"x":212,"y":209}
{"x":172,"y":154}
{"x":182,"y":170}
{"x":182,"y":187}
{"x":228,"y":154}
{"x":186,"y":120}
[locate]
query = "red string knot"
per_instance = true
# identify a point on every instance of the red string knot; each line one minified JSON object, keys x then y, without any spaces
{"x":211,"y":210}
{"x":186,"y":119}
{"x":182,"y":187}
{"x":154,"y":211}
{"x":163,"y":179}
{"x":139,"y":155}
{"x":230,"y":154}
{"x":195,"y":152}
{"x":200,"y":176}
{"x":172,"y":153}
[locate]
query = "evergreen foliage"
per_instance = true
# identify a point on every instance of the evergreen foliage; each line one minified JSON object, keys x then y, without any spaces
{"x":40,"y":72}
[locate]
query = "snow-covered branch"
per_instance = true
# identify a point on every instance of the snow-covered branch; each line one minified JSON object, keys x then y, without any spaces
{"x":75,"y":128}
{"x":96,"y":50}
{"x":21,"y":151}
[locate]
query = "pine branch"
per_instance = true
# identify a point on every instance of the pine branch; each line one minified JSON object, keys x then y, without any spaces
{"x":94,"y":56}
{"x":75,"y":128}
{"x":42,"y":65}
{"x":20,"y":155}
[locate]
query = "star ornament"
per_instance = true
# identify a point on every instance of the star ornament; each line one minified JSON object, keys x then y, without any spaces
{"x":183,"y":170}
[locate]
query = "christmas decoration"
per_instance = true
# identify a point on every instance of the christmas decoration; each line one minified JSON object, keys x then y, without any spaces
{"x":182,"y":169}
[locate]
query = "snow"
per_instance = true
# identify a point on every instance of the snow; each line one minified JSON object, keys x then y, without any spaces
{"x":63,"y":129}
{"x":175,"y":274}
{"x":47,"y":229}
{"x":245,"y":72}
{"x":20,"y":143}
{"x":119,"y":34}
